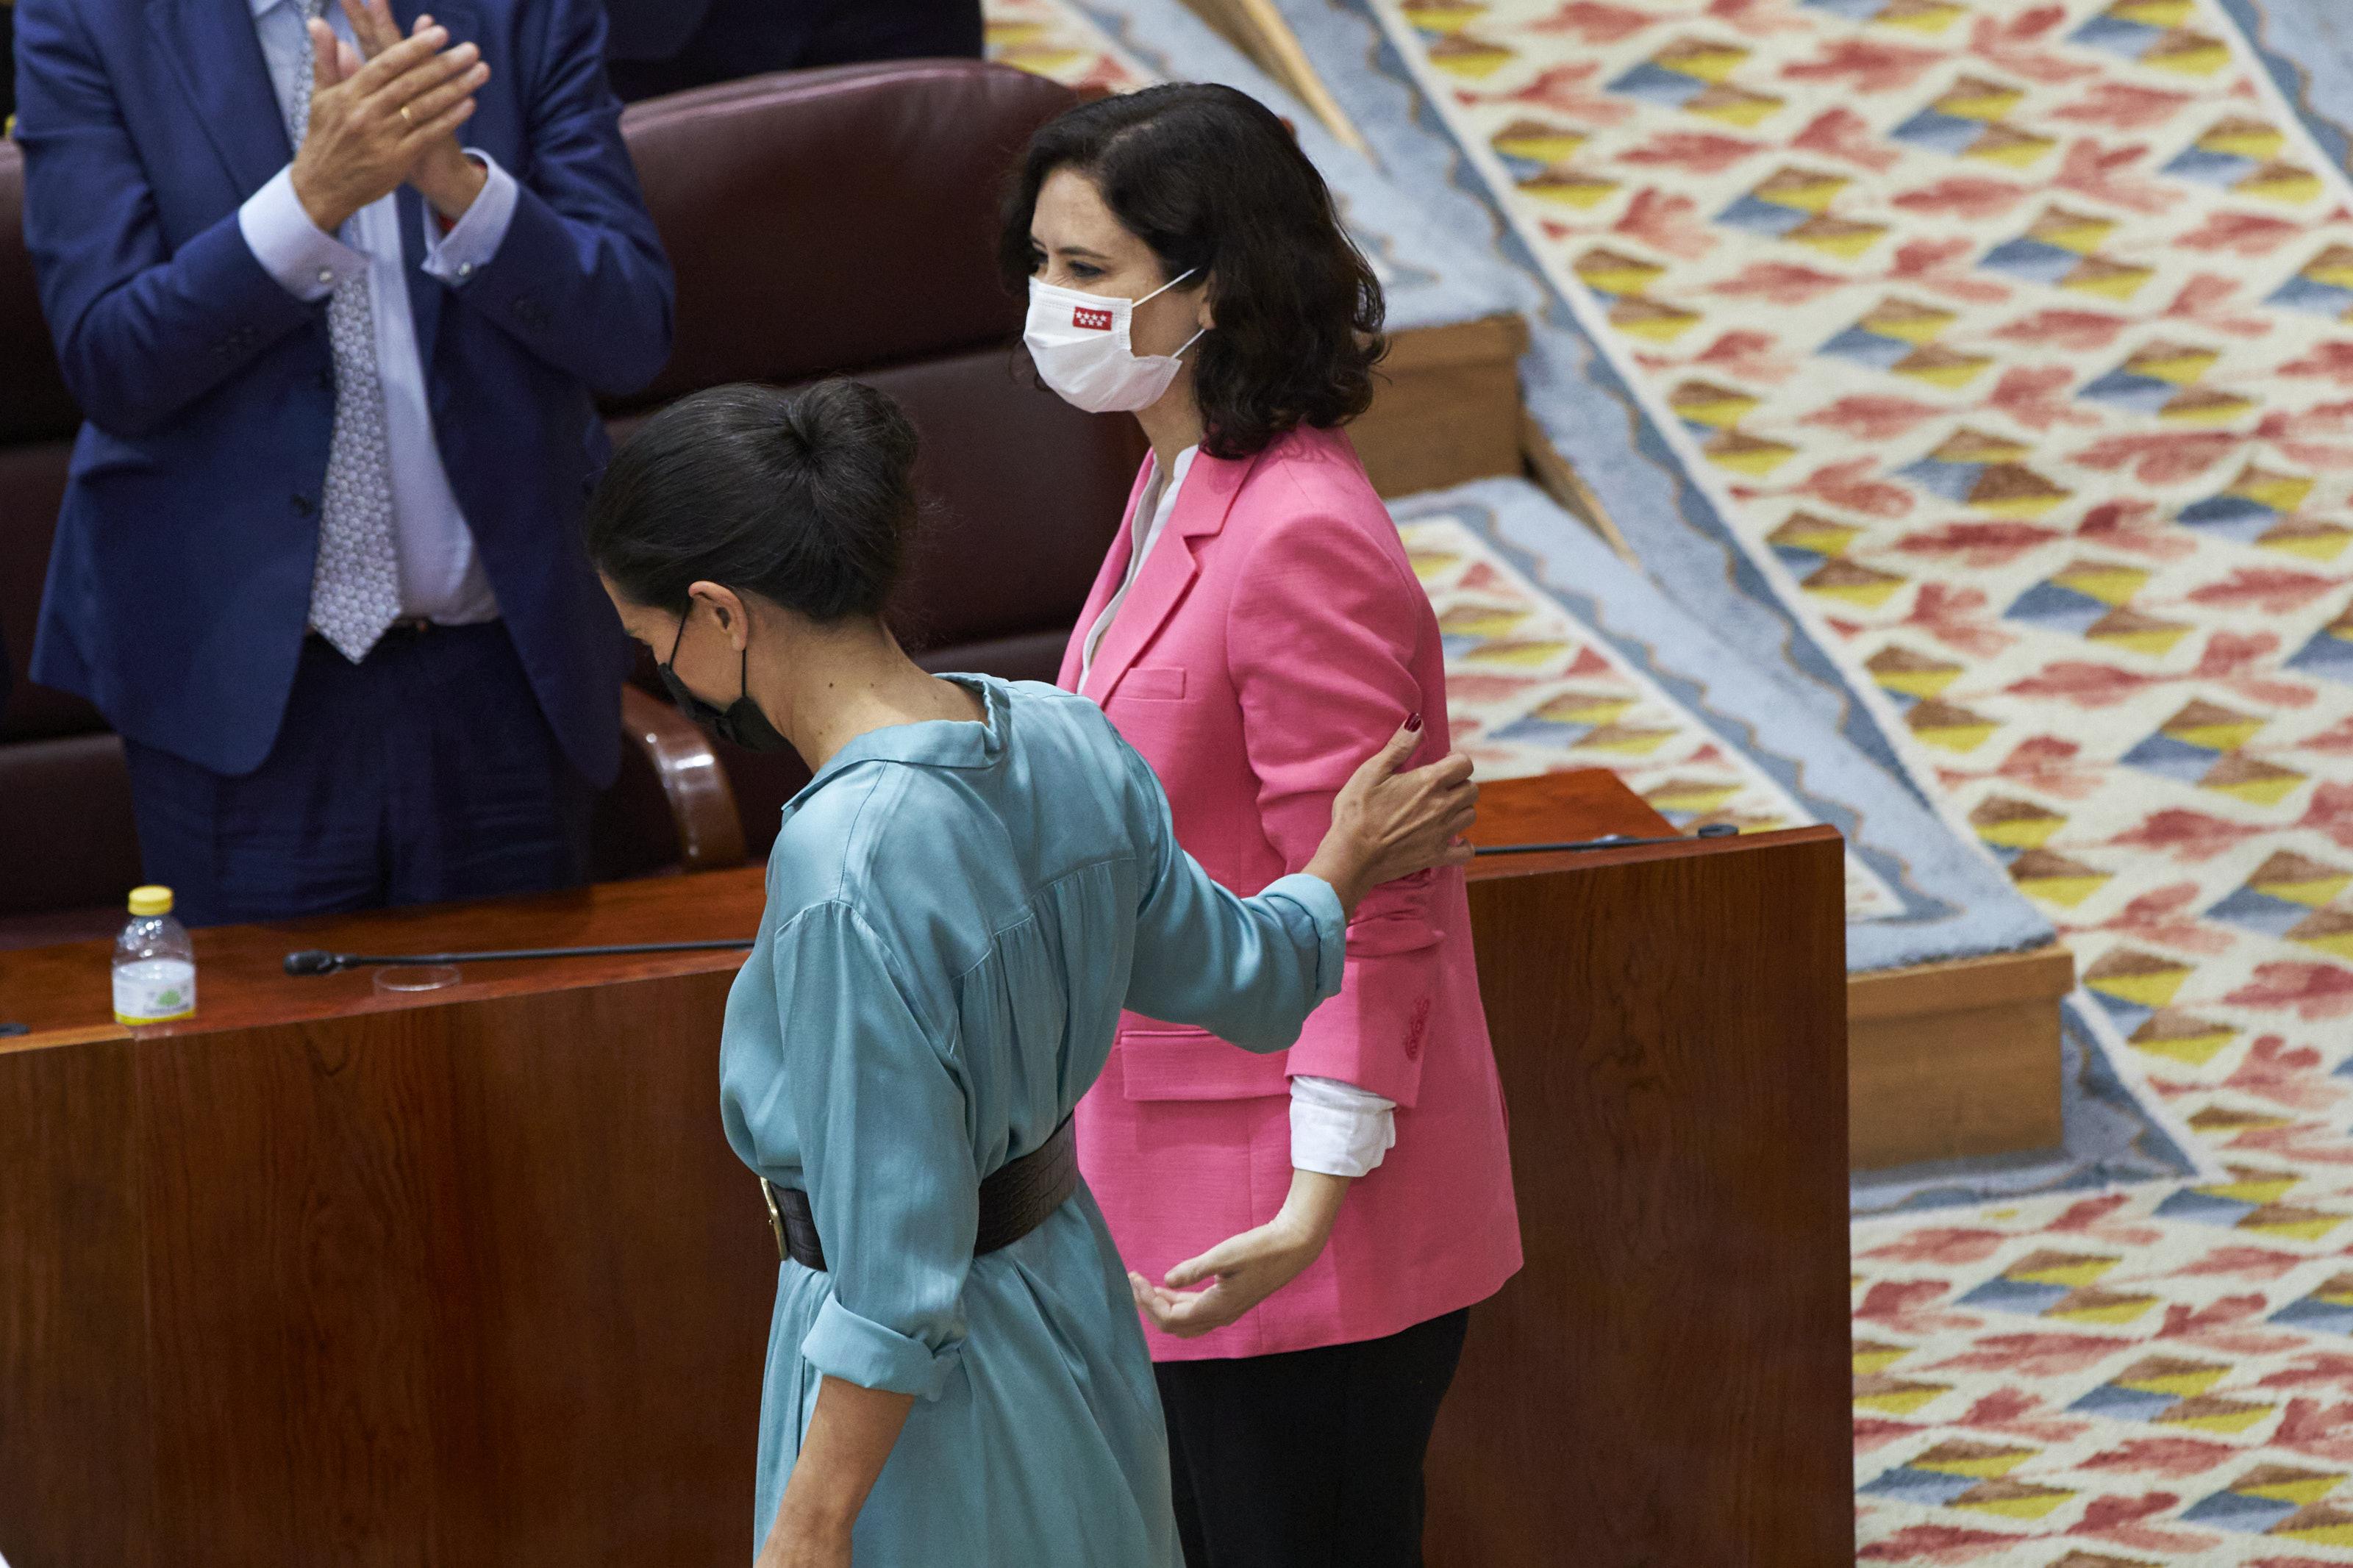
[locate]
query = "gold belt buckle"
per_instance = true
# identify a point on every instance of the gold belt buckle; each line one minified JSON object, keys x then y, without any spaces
{"x":775,"y":1218}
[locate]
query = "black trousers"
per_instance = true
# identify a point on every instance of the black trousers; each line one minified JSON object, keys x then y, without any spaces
{"x":752,"y":38}
{"x":1309,"y":1459}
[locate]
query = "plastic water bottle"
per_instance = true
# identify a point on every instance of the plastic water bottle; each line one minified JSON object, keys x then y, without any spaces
{"x":154,"y":962}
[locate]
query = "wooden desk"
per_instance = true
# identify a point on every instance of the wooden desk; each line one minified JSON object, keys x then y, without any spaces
{"x":325,"y":1275}
{"x":1560,"y":808}
{"x":469,"y":1277}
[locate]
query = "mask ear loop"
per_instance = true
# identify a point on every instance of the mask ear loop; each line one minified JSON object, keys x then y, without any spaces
{"x":743,"y":667}
{"x":1167,"y":286}
{"x":1198,"y":336}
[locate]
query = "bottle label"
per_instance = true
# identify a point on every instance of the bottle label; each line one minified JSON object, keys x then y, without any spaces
{"x":155,"y":990}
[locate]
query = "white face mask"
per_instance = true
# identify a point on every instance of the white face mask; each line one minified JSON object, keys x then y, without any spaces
{"x":1080,"y":346}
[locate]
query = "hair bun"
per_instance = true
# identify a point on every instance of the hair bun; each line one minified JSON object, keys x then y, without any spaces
{"x":804,"y":497}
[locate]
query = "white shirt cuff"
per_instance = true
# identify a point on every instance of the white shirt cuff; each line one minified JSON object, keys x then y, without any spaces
{"x":307,"y":262}
{"x":474,"y":239}
{"x":1337,"y":1128}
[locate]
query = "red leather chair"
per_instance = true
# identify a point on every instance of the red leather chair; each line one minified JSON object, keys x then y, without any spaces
{"x":822,"y":223}
{"x":68,"y":851}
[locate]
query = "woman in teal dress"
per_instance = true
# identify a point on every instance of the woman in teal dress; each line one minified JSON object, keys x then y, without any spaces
{"x":980,"y":877}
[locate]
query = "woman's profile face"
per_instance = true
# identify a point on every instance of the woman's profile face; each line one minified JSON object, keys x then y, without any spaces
{"x":1080,"y":243}
{"x":703,"y":654}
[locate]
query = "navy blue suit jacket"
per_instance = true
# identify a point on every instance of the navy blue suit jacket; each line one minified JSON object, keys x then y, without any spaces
{"x":179,"y":589}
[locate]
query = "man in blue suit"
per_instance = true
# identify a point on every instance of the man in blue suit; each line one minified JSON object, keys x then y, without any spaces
{"x":335,"y":322}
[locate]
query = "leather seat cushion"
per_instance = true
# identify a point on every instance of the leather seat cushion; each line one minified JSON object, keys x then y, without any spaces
{"x":34,"y":402}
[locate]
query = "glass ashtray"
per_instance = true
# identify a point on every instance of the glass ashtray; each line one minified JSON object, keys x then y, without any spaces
{"x":405,"y":977}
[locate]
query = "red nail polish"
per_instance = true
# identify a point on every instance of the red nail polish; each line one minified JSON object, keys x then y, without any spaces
{"x":1413,"y":723}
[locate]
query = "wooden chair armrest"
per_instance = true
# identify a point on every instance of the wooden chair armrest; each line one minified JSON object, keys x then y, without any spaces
{"x":702,"y":802}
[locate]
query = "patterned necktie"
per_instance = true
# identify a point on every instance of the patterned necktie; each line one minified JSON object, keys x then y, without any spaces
{"x":356,"y":582}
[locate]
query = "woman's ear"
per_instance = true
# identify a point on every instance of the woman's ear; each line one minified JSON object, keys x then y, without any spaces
{"x":1204,"y":310}
{"x":726,"y":608}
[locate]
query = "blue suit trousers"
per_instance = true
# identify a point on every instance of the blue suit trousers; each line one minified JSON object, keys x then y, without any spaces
{"x":424,"y":774}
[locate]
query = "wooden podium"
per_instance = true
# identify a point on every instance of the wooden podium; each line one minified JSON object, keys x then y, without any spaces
{"x":333,"y":1274}
{"x":1667,"y":1381}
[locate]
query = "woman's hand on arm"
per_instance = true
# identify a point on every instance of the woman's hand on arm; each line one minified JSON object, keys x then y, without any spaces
{"x":1387,"y":824}
{"x":1245,"y":1269}
{"x":849,"y":1438}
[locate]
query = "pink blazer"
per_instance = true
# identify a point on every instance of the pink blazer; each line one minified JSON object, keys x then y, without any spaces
{"x":1276,"y":636}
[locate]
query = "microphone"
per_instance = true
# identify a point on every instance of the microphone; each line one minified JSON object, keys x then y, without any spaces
{"x":319,"y":961}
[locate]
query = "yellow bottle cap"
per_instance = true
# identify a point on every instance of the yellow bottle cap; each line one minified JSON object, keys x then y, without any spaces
{"x":151,"y":901}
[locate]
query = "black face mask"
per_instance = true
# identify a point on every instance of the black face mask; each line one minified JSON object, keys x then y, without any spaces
{"x":740,"y":723}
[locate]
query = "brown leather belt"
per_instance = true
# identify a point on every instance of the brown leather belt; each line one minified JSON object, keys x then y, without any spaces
{"x":1015,"y":1199}
{"x":406,"y":626}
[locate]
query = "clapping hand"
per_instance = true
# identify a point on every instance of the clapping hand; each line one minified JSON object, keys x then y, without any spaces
{"x":444,"y":175}
{"x":372,"y":121}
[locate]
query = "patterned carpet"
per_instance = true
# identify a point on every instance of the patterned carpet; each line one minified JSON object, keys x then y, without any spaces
{"x":1052,"y":40}
{"x":2010,"y":337}
{"x":2033,"y":401}
{"x":2007,"y":336}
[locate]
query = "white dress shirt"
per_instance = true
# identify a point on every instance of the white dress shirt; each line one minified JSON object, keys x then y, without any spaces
{"x":441,"y":576}
{"x":1153,"y":509}
{"x":1336,"y":1128}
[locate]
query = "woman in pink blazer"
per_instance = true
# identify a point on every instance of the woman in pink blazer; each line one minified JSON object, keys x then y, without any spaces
{"x":1305,"y":1231}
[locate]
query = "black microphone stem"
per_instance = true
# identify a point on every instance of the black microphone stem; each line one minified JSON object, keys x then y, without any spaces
{"x":317,"y":962}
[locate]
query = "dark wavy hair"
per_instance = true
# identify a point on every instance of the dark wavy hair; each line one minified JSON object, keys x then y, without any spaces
{"x":807,"y":498}
{"x":1213,"y":182}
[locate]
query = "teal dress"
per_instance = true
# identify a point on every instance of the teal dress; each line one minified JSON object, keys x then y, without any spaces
{"x":957,"y":915}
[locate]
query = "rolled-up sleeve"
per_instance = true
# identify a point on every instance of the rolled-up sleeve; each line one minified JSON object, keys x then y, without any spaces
{"x":858,"y":1350}
{"x":1337,"y":1128}
{"x":880,"y":1106}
